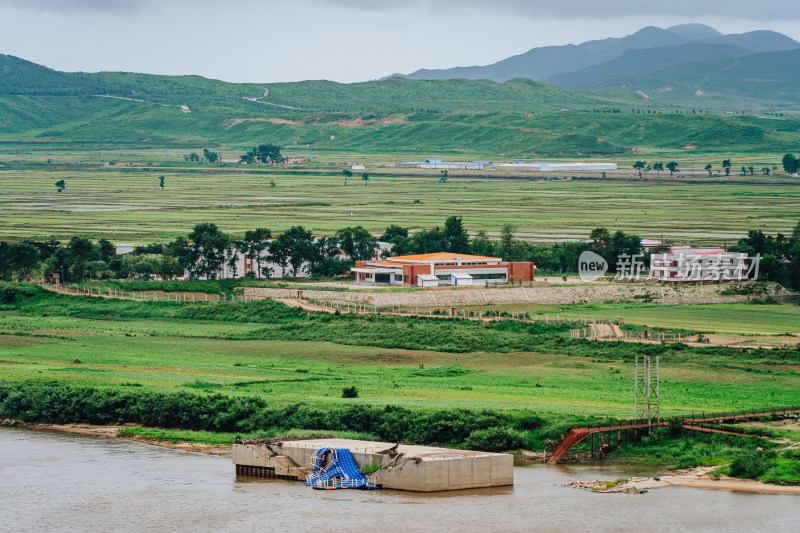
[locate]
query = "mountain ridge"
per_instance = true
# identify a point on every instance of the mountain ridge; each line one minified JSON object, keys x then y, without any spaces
{"x":551,"y":63}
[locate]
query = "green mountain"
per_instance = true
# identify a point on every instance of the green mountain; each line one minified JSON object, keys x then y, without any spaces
{"x":460,"y":117}
{"x":757,"y":80}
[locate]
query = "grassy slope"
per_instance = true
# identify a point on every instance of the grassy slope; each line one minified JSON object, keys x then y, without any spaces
{"x":470,"y":116}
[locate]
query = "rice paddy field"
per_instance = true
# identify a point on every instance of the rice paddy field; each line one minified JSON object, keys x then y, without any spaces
{"x":126,"y":204}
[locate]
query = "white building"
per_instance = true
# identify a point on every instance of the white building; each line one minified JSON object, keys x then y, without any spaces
{"x":683,"y":264}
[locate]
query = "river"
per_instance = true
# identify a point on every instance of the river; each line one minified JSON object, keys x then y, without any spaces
{"x":53,"y":481}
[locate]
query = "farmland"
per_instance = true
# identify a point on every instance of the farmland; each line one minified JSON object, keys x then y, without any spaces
{"x":125,"y":203}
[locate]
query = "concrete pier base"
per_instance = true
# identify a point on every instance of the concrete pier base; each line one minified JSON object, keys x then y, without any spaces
{"x":403,"y":467}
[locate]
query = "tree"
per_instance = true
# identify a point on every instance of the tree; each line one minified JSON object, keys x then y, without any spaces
{"x":254,"y":245}
{"x":169,"y":268}
{"x":357,"y":243}
{"x":210,"y":156}
{"x":640,"y":165}
{"x":481,"y":245}
{"x":347,"y":174}
{"x":61,"y":185}
{"x":658,"y":167}
{"x":107,"y":250}
{"x":765,"y":171}
{"x":743,"y":170}
{"x":456,"y":237}
{"x":708,"y":168}
{"x":672,"y":166}
{"x":161,"y":181}
{"x":751,"y":169}
{"x":293,"y":246}
{"x":24,"y":258}
{"x":790,"y":164}
{"x":726,"y":166}
{"x":443,"y":179}
{"x":82,"y":251}
{"x":365,"y":177}
{"x":266,"y":153}
{"x":194,"y":158}
{"x":209,"y":246}
{"x":507,"y":240}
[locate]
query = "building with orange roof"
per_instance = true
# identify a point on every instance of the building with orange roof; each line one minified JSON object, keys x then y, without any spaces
{"x":442,"y":268}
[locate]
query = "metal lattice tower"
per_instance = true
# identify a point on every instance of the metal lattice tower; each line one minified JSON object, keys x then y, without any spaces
{"x":647,"y":398}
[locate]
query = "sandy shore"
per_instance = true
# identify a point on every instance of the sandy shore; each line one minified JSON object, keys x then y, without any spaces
{"x":698,"y":478}
{"x":112,"y":432}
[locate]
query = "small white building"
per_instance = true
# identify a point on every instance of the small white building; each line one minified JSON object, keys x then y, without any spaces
{"x":683,"y":264}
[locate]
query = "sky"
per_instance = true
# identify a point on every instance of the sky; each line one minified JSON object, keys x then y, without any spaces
{"x":341,"y":40}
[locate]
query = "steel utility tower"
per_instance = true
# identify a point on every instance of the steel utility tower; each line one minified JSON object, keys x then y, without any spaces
{"x":647,"y":399}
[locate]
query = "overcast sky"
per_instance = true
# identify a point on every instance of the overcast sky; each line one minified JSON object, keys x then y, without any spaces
{"x":341,"y":40}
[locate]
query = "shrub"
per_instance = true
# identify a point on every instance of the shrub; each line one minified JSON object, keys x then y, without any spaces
{"x":350,"y":392}
{"x":495,"y":439}
{"x":752,"y":463}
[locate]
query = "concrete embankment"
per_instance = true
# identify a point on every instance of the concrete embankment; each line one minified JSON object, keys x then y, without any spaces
{"x":538,"y":294}
{"x":402,"y":467}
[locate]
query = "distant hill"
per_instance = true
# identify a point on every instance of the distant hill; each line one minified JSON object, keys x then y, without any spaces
{"x":460,"y":118}
{"x":638,"y":62}
{"x":769,"y":78}
{"x":694,"y":31}
{"x":573,"y":65}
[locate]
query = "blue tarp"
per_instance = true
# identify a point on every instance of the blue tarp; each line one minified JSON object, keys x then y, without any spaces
{"x":341,"y":472}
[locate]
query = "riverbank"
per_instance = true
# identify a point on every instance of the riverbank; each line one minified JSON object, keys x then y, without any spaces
{"x":113,"y":432}
{"x":699,"y":478}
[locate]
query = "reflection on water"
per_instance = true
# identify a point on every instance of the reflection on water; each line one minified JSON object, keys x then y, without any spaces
{"x":51,"y":481}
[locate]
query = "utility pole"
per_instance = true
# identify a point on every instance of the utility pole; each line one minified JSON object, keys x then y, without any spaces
{"x":649,"y":408}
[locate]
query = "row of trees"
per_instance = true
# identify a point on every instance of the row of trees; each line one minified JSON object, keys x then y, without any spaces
{"x":206,"y":251}
{"x":559,"y":257}
{"x":780,"y":255}
{"x":643,"y":167}
{"x":790,"y":165}
{"x":264,"y":153}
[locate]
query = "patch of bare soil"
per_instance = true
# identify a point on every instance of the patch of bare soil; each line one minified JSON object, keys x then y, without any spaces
{"x":698,"y":478}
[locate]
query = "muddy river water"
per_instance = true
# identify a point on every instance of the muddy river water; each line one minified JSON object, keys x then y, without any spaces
{"x":52,"y":481}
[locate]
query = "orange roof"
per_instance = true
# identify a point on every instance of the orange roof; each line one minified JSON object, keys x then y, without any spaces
{"x":385,"y":263}
{"x":443,"y":256}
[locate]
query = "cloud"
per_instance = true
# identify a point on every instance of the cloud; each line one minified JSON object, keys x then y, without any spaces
{"x":597,"y":9}
{"x":104,"y":7}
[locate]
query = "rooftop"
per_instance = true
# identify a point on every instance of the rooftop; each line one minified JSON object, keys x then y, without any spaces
{"x":442,"y":257}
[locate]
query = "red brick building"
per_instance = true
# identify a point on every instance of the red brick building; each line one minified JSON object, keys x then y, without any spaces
{"x":442,"y":268}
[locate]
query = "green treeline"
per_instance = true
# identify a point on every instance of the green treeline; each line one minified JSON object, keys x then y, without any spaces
{"x":207,"y":251}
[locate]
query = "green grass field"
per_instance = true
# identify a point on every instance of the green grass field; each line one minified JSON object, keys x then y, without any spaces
{"x":126,"y":205}
{"x":60,"y":338}
{"x":735,"y":318}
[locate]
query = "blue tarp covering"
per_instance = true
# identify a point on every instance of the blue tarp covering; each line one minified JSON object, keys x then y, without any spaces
{"x":341,"y":472}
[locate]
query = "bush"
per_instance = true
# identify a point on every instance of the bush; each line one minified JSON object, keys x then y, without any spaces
{"x":496,"y":439}
{"x":350,"y":392}
{"x":752,"y":463}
